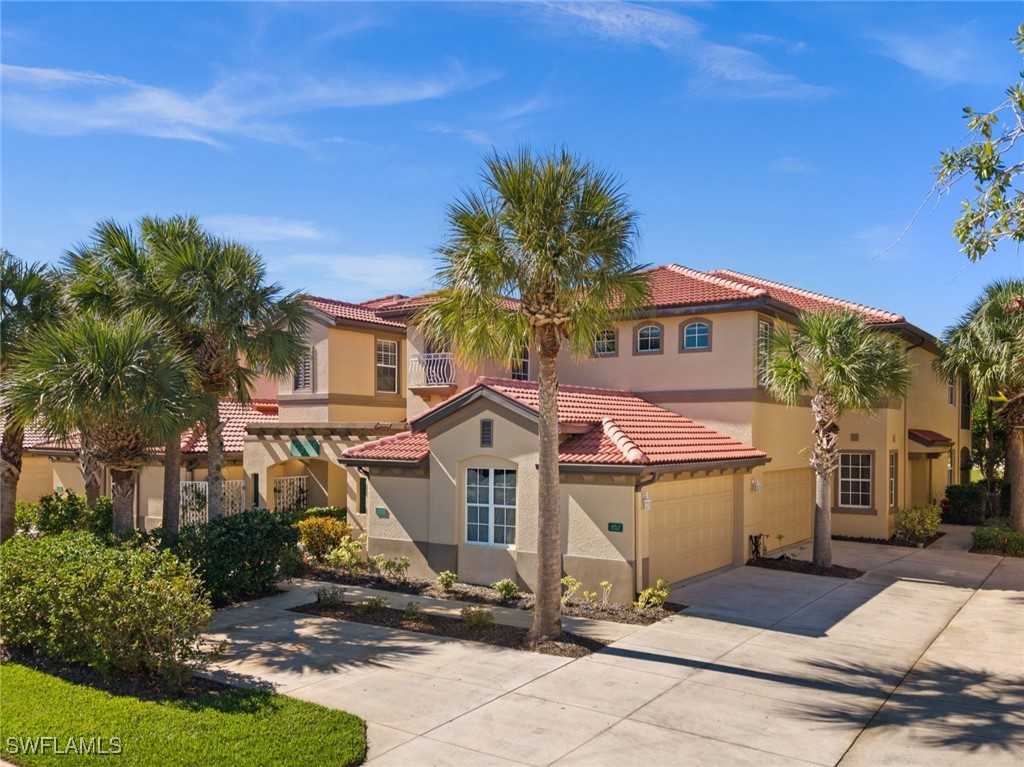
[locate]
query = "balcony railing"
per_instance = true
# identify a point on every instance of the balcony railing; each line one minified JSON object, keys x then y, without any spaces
{"x":437,"y":369}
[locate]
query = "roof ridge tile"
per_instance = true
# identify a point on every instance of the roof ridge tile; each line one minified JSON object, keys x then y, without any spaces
{"x":715,"y":279}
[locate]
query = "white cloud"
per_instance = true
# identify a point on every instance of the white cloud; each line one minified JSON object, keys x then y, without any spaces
{"x":263,"y":228}
{"x":68,"y":102}
{"x":796,"y":166}
{"x":738,"y":73}
{"x":351,"y":277}
{"x":628,"y":23}
{"x":790,"y":46}
{"x":469,"y":134}
{"x":950,"y":57}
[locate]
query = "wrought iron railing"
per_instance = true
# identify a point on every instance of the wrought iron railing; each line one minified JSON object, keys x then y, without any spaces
{"x":289,"y":493}
{"x":437,"y":369}
{"x":194,"y":509}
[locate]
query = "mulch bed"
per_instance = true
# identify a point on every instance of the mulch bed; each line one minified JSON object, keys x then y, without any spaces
{"x":465,"y":592}
{"x":807,"y":568}
{"x":569,"y":645}
{"x":887,"y":541}
{"x":76,"y":673}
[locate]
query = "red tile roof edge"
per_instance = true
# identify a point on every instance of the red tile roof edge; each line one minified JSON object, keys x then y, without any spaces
{"x":715,"y":279}
{"x":357,"y":312}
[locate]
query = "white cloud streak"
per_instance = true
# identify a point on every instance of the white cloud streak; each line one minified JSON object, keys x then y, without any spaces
{"x":952,"y":57}
{"x":796,"y":166}
{"x":263,"y":228}
{"x":355,"y":277}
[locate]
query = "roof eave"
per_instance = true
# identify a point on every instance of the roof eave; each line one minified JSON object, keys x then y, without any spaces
{"x":663,"y":468}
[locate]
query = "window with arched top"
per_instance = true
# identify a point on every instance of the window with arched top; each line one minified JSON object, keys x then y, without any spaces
{"x":695,"y":336}
{"x":648,"y":339}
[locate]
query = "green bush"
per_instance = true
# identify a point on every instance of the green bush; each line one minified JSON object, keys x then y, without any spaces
{"x":99,"y":520}
{"x":320,"y":535}
{"x":446,"y":580}
{"x":61,"y":512}
{"x":347,"y":556}
{"x":295,"y":516}
{"x":477,"y":617}
{"x":652,"y":596}
{"x":506,"y":588}
{"x":917,"y":524}
{"x":126,"y":611}
{"x":330,"y":596}
{"x":26,"y":515}
{"x":966,"y":504}
{"x":998,"y":537}
{"x":238,"y":556}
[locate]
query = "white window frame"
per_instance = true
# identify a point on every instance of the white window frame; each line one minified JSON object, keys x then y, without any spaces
{"x":696,"y":335}
{"x":854,"y":485}
{"x":521,"y":372}
{"x":764,"y":335}
{"x":950,"y":466}
{"x":894,"y":463}
{"x":657,"y":333}
{"x":490,"y":507}
{"x":303,"y":379}
{"x":609,"y":339}
{"x":383,"y":346}
{"x":951,"y":391}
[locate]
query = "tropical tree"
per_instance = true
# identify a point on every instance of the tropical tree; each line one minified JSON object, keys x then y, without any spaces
{"x":120,"y":376}
{"x":236,"y":326}
{"x":843,"y":365}
{"x":559,"y":235}
{"x":29,"y":298}
{"x":987,"y":346}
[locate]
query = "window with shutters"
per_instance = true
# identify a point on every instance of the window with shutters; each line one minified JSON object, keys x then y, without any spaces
{"x":304,"y":374}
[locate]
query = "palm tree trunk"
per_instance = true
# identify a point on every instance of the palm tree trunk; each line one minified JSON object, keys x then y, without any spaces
{"x":124,"y":500}
{"x":547,"y":621}
{"x":214,"y":466}
{"x":10,"y":472}
{"x":824,"y":460}
{"x":822,"y":547}
{"x":1013,"y":416}
{"x":172,"y":486}
{"x":92,"y":471}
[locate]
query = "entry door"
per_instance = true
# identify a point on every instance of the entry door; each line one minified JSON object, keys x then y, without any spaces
{"x":920,"y":482}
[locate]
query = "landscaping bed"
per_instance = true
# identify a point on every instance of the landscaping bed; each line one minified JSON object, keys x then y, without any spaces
{"x":887,"y":541}
{"x":569,"y":645}
{"x":807,"y":568}
{"x":996,"y":537}
{"x":464,"y":592}
{"x":140,"y":724}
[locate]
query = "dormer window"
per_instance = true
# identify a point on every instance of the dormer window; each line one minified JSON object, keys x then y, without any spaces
{"x":696,"y":336}
{"x":304,"y":374}
{"x":648,"y":339}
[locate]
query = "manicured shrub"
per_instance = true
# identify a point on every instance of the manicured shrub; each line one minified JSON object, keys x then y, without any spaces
{"x":60,"y":512}
{"x":330,"y":596}
{"x":477,"y":617}
{"x":917,"y":524}
{"x":26,"y":515}
{"x":394,"y":569}
{"x":446,"y":580}
{"x":237,"y":557}
{"x":99,"y":520}
{"x":652,"y":596}
{"x":966,"y":504}
{"x":347,"y":556}
{"x":125,"y":611}
{"x":320,"y":535}
{"x":339,"y":513}
{"x":374,"y":605}
{"x":506,"y":588}
{"x":997,"y":536}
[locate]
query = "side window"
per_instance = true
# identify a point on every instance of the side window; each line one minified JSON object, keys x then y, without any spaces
{"x":387,"y":367}
{"x":648,"y":339}
{"x":764,"y":335}
{"x":695,"y":336}
{"x":521,"y":372}
{"x":304,"y":374}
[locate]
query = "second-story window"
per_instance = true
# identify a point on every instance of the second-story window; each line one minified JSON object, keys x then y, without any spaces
{"x":951,"y":391}
{"x":648,"y":339}
{"x":764,"y":338}
{"x":696,"y":337}
{"x":606,"y":344}
{"x":521,"y":372}
{"x":387,"y":367}
{"x":304,"y":374}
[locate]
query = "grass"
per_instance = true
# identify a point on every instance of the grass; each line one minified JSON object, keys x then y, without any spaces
{"x":229,"y":727}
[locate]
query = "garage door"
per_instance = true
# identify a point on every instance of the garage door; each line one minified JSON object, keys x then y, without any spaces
{"x":787,"y":506}
{"x":691,"y":527}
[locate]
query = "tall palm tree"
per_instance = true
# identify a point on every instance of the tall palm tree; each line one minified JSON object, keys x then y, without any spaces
{"x":843,"y":365}
{"x":237,"y":324}
{"x":987,"y":346}
{"x":29,"y":298}
{"x":121,"y":376}
{"x":558,"y":234}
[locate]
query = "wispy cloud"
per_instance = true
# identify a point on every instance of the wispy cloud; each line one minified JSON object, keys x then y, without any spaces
{"x":252,"y":105}
{"x":949,"y":57}
{"x":790,"y":46}
{"x":263,"y":228}
{"x":796,"y":166}
{"x":357,"y":277}
{"x":468,"y":134}
{"x":725,"y":71}
{"x":524,"y":108}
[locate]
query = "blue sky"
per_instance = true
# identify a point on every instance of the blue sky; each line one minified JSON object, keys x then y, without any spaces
{"x":791,"y":141}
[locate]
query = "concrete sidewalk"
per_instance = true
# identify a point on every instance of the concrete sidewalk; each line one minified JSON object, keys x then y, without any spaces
{"x":921,"y":661}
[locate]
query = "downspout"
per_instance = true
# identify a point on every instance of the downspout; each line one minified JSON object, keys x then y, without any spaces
{"x":638,"y":552}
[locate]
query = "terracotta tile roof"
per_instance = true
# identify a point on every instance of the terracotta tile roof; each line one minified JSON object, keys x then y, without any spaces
{"x":376,"y":303}
{"x":234,"y":415}
{"x":805,"y":300}
{"x":623,"y":429}
{"x":928,"y":437}
{"x":346,"y":311}
{"x":675,"y":285}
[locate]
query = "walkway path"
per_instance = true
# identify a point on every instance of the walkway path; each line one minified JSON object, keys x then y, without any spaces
{"x":921,"y":661}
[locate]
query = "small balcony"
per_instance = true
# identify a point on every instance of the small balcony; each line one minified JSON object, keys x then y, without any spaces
{"x":432,"y":374}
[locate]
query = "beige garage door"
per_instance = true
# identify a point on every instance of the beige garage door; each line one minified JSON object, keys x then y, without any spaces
{"x":691,"y":527}
{"x":787,"y":506}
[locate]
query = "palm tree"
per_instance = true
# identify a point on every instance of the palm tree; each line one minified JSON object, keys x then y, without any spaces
{"x":29,"y":298}
{"x":559,"y":235}
{"x":121,"y":376}
{"x":842,"y":365}
{"x":236,"y":324}
{"x":987,"y":346}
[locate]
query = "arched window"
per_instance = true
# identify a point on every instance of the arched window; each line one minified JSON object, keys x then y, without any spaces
{"x":648,"y":339}
{"x":696,"y":336}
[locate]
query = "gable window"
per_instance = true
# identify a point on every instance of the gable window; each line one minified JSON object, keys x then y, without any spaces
{"x":893,"y":486}
{"x":606,"y":343}
{"x":387,"y":366}
{"x":648,"y":339}
{"x":304,"y":374}
{"x":486,"y":433}
{"x":696,"y":336}
{"x":491,"y":506}
{"x":521,"y":372}
{"x":764,"y":337}
{"x":855,"y":480}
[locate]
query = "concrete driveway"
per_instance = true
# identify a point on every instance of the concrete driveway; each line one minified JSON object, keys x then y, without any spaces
{"x":921,"y":661}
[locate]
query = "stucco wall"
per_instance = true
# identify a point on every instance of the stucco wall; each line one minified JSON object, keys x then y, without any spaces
{"x":36,"y":478}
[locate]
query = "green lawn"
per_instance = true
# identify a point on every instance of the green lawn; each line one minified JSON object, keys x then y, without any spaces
{"x":235,"y":727}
